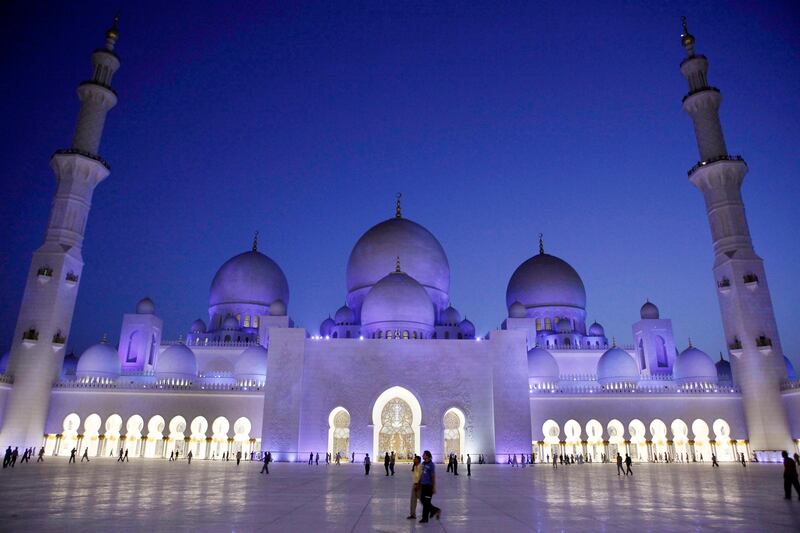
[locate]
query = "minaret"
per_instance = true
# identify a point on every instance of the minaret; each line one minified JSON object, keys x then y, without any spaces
{"x":747,"y":315}
{"x":45,"y":315}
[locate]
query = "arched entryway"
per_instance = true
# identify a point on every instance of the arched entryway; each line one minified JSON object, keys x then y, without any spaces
{"x":339,"y":434}
{"x":396,"y":417}
{"x":453,"y":423}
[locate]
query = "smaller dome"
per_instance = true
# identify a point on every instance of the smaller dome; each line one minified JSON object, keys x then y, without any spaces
{"x":724,"y":372}
{"x":649,"y":311}
{"x":277,"y":308}
{"x":467,"y":328}
{"x":517,"y":310}
{"x":450,"y":316}
{"x":617,"y":366}
{"x":596,"y":330}
{"x":694,"y":366}
{"x":145,"y":306}
{"x":326,"y":327}
{"x":252,"y":365}
{"x":176,"y":362}
{"x":230,"y":322}
{"x":790,"y":373}
{"x":542,"y":366}
{"x":397,"y":299}
{"x":564,"y":326}
{"x":344,"y":315}
{"x":198,"y":326}
{"x":99,"y":361}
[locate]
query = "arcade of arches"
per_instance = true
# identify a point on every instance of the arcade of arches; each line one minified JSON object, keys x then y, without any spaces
{"x":154,"y":439}
{"x":655,"y":442}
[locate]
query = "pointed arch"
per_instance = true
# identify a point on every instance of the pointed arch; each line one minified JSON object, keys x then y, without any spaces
{"x":396,"y":419}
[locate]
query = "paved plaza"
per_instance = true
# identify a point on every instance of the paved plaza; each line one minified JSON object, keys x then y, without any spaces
{"x":216,"y":496}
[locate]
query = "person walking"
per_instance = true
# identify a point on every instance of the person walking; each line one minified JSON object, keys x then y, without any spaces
{"x":316,"y":459}
{"x":126,"y":456}
{"x":338,"y":458}
{"x":455,"y":465}
{"x":25,"y":456}
{"x":172,"y":455}
{"x":391,"y":463}
{"x":367,"y":463}
{"x":119,"y":457}
{"x":238,"y":457}
{"x":628,"y":463}
{"x":790,"y":476}
{"x":265,"y":468}
{"x":189,"y":456}
{"x":744,"y":463}
{"x":85,"y":455}
{"x":386,"y":463}
{"x":310,"y":458}
{"x":40,"y":458}
{"x":555,"y":461}
{"x":714,"y":462}
{"x":620,"y":470}
{"x":353,"y":458}
{"x":469,"y":465}
{"x":7,"y":457}
{"x":415,"y":490}
{"x":72,"y":454}
{"x":449,"y":463}
{"x":427,"y":482}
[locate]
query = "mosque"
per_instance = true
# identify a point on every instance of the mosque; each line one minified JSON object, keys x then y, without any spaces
{"x":544,"y":383}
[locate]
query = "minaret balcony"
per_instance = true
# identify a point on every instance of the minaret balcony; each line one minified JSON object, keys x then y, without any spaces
{"x":89,"y":155}
{"x":71,"y":278}
{"x":736,"y":347}
{"x":700,"y":90}
{"x":703,"y":164}
{"x":58,"y":338}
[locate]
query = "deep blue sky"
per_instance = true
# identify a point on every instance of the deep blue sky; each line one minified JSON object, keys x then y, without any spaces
{"x":496,"y":123}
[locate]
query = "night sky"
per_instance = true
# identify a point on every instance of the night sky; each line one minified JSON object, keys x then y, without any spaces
{"x":496,"y":123}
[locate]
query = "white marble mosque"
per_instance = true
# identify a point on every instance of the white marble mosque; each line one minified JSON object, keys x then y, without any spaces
{"x":247,"y":379}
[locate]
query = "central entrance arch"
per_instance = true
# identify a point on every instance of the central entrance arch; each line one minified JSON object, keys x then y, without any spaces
{"x":396,"y":419}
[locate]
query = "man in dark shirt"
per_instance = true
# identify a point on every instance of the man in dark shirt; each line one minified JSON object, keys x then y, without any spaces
{"x":427,"y":483}
{"x":790,"y":476}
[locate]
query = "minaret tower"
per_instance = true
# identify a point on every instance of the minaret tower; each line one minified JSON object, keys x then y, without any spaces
{"x":45,"y":315}
{"x":747,"y":315}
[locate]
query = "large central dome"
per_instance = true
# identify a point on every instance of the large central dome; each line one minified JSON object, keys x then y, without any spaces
{"x":545,"y":280}
{"x":249,"y":278}
{"x":375,"y":253}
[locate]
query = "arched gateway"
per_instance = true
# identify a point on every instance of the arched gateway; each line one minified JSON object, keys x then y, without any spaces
{"x":396,"y":418}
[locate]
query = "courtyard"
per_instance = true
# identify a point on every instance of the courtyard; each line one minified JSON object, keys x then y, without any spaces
{"x":159,"y":495}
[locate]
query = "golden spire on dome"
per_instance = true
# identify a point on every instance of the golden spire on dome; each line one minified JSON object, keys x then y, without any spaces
{"x":255,"y":241}
{"x":687,"y":39}
{"x":690,"y":342}
{"x":613,"y":342}
{"x":397,"y":213}
{"x":397,"y":266}
{"x":112,"y":34}
{"x":541,"y":243}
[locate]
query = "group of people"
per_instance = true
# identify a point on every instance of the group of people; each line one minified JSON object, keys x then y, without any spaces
{"x":523,"y":460}
{"x":423,"y":487}
{"x":10,"y":457}
{"x":628,"y":462}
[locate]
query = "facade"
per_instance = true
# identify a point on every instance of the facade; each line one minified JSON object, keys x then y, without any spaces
{"x":544,"y":383}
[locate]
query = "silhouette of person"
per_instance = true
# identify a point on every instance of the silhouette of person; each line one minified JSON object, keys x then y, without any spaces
{"x":714,"y":462}
{"x":238,"y":457}
{"x":455,"y":465}
{"x":386,"y":460}
{"x":72,"y":455}
{"x":14,"y":456}
{"x":40,"y":459}
{"x":172,"y":456}
{"x":7,"y":457}
{"x":316,"y":459}
{"x":628,"y":463}
{"x":85,"y":455}
{"x":790,"y":476}
{"x":744,"y":463}
{"x":469,"y":465}
{"x":126,"y":456}
{"x":620,"y":470}
{"x":427,"y":482}
{"x":189,"y":456}
{"x":265,"y":468}
{"x":391,"y":463}
{"x":367,"y":463}
{"x":310,"y":458}
{"x":353,"y":458}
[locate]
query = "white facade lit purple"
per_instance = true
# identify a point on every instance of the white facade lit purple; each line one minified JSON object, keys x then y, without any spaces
{"x":398,"y":367}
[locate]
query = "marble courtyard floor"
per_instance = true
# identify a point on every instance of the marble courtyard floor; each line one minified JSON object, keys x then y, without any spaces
{"x":156,"y":495}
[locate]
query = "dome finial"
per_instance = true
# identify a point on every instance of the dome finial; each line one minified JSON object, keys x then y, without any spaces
{"x":690,"y":342}
{"x":397,"y":266}
{"x":541,"y":243}
{"x":687,"y":39}
{"x":720,"y":357}
{"x":613,"y":342}
{"x":397,"y":213}
{"x":112,"y":34}
{"x":255,"y":241}
{"x":104,"y":340}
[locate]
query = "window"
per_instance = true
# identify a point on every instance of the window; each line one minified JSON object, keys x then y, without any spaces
{"x":405,"y":334}
{"x":255,"y":321}
{"x":661,"y":352}
{"x":642,"y":361}
{"x":239,"y":318}
{"x":247,"y":321}
{"x":538,"y":324}
{"x":547,"y":325}
{"x":415,"y":334}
